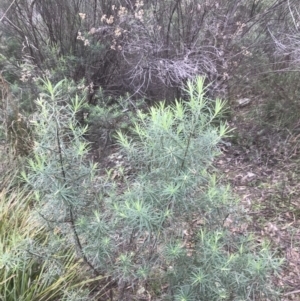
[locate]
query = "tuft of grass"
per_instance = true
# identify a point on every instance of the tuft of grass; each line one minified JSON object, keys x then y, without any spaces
{"x":26,"y":276}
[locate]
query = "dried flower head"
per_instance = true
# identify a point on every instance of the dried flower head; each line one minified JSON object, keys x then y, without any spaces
{"x":92,"y":31}
{"x":110,"y":20}
{"x":122,"y":11}
{"x":82,"y":16}
{"x":139,"y":4}
{"x":118,"y":31}
{"x":79,"y":36}
{"x":139,"y":15}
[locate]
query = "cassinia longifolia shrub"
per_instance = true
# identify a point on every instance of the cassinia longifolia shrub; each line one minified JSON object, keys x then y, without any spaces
{"x":159,"y":229}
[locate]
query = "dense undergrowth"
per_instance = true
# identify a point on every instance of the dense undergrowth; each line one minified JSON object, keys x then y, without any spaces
{"x":111,"y":124}
{"x":165,"y":221}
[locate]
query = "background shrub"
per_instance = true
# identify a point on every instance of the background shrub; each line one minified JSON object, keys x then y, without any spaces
{"x":147,"y":48}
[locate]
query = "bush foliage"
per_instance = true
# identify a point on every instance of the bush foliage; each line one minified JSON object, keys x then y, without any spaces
{"x":165,"y":221}
{"x":161,"y":222}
